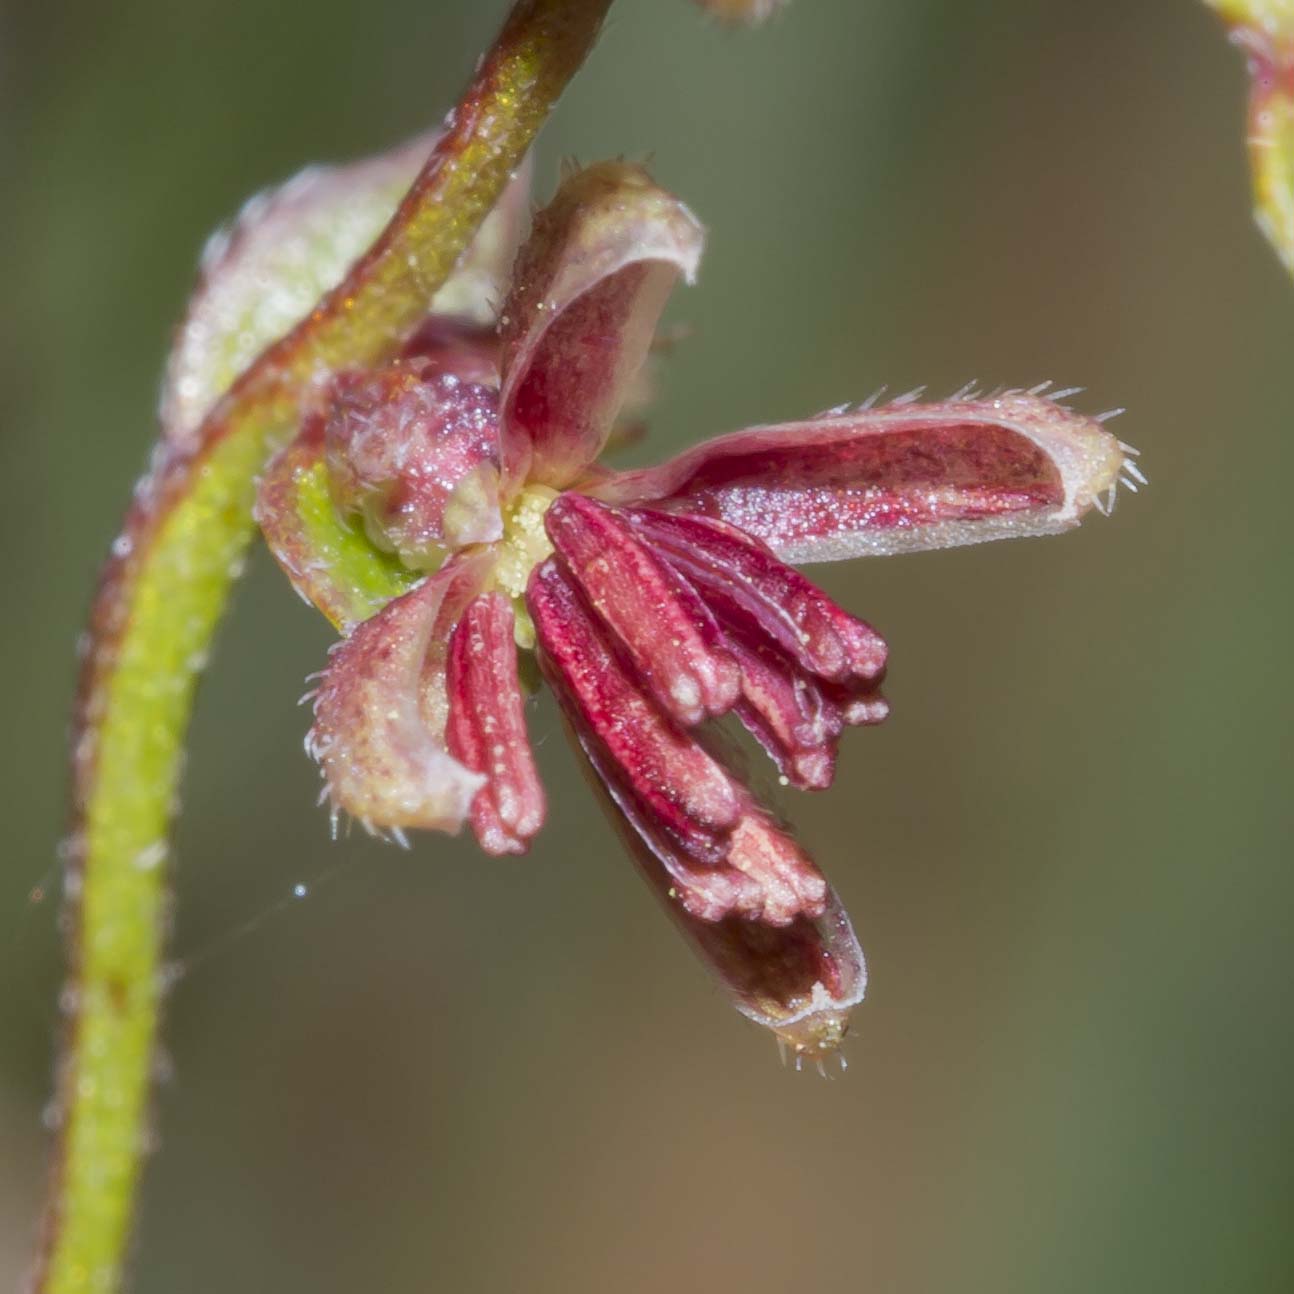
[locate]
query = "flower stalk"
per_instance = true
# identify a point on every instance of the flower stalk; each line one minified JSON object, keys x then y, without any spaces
{"x":162,"y":595}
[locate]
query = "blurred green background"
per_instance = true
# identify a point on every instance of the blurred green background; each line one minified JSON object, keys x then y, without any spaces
{"x":1067,"y":855}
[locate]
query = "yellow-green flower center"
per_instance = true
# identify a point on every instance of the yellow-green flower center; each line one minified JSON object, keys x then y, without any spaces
{"x":524,"y":545}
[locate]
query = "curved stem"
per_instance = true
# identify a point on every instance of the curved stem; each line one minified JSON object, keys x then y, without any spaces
{"x":162,"y":595}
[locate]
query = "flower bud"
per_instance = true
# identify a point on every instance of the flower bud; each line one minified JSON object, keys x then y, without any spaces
{"x":744,"y":12}
{"x":1272,"y":18}
{"x":413,"y":451}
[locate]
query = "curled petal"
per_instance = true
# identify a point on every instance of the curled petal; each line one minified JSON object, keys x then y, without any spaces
{"x":588,"y":288}
{"x":894,"y":479}
{"x":755,"y":871}
{"x":745,"y":584}
{"x":680,"y":783}
{"x":699,"y":882}
{"x":486,"y":727}
{"x":328,"y":558}
{"x":667,"y":631}
{"x":799,"y":979}
{"x":724,"y":853}
{"x":789,"y":713}
{"x":288,"y":247}
{"x":381,"y":707}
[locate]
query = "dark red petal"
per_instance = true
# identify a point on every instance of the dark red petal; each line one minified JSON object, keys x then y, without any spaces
{"x":789,"y":713}
{"x":588,"y":287}
{"x":723,"y":851}
{"x":701,"y":883}
{"x":755,"y":870}
{"x":799,"y":979}
{"x":787,"y":877}
{"x":486,"y":728}
{"x":679,"y":782}
{"x":902,"y":477}
{"x":859,"y":707}
{"x":668,"y":634}
{"x":742,"y":581}
{"x":380,"y":709}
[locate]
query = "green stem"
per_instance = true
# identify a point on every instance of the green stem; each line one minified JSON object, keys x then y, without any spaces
{"x":163,"y":593}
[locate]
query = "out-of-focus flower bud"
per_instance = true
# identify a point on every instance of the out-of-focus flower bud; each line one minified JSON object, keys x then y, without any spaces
{"x":1264,"y":29}
{"x":1274,"y":18}
{"x":748,"y":12}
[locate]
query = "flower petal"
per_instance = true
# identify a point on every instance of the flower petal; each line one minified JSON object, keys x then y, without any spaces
{"x":745,"y":584}
{"x":676,"y":779}
{"x":588,"y":288}
{"x":723,"y":851}
{"x":381,"y":708}
{"x":666,"y":629}
{"x":799,"y":979}
{"x":486,"y":728}
{"x":899,"y":478}
{"x":787,"y":711}
{"x":290,"y":245}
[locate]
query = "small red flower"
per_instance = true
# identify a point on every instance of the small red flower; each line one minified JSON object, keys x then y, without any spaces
{"x":461,"y":483}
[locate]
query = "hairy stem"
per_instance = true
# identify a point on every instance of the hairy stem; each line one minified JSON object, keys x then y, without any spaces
{"x":162,"y":595}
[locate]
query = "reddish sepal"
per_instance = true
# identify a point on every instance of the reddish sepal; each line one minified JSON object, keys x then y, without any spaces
{"x":899,"y":478}
{"x":380,"y":710}
{"x":588,"y":287}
